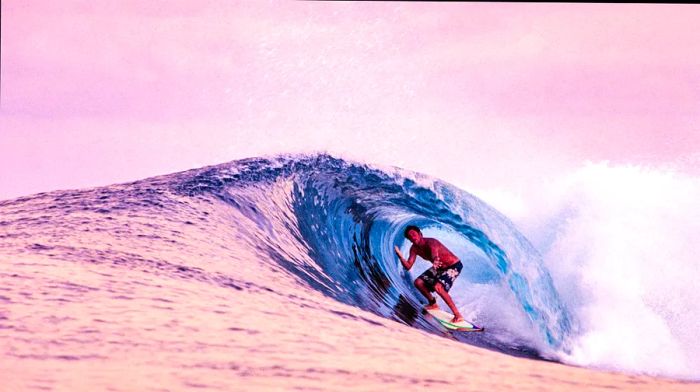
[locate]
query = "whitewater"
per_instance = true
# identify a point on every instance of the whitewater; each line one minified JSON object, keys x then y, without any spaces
{"x":278,"y":273}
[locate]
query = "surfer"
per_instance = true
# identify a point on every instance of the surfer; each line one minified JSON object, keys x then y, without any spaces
{"x":440,"y":277}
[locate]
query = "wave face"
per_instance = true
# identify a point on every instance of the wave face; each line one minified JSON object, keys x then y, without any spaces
{"x":333,"y":225}
{"x":129,"y":264}
{"x":282,"y":248}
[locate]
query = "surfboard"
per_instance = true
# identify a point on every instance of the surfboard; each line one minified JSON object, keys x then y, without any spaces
{"x":445,"y":317}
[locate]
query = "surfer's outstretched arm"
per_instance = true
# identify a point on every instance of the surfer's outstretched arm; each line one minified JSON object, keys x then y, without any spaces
{"x":411,"y":257}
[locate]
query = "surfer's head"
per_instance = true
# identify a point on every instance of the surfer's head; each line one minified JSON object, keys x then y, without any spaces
{"x":413,"y":234}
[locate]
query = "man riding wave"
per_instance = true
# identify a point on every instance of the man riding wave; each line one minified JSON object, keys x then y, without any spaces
{"x":440,"y":277}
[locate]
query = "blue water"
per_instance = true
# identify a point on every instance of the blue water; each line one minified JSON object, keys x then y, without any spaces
{"x":197,"y":268}
{"x":136,"y":267}
{"x":348,"y":216}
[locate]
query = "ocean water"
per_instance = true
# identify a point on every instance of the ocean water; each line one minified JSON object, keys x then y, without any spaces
{"x":620,"y":243}
{"x":279,"y":273}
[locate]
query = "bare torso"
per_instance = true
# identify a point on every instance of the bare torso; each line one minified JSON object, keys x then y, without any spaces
{"x":430,"y":248}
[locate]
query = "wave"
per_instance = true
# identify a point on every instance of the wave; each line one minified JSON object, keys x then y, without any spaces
{"x":614,"y":287}
{"x":620,"y":244}
{"x":333,"y":225}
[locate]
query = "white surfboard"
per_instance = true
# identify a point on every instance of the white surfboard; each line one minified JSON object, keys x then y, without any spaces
{"x":445,"y":319}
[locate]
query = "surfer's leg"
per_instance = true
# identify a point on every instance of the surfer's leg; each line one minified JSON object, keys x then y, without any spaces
{"x":440,"y":289}
{"x":444,"y":283}
{"x":422,"y":287}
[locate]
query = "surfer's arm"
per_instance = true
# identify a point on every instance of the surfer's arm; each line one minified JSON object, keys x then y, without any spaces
{"x":411,"y":257}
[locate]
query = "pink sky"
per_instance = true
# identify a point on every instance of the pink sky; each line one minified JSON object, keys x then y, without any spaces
{"x":481,"y":95}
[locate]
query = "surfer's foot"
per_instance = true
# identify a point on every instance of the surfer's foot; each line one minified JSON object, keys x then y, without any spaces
{"x":457,"y":319}
{"x":432,"y":305}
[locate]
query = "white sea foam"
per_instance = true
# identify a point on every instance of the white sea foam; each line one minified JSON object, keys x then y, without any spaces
{"x":621,"y":245}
